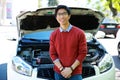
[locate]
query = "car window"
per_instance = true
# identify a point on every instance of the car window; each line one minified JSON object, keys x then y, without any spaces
{"x":108,"y":20}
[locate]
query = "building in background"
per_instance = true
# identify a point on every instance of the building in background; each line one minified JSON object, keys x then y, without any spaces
{"x":9,"y":9}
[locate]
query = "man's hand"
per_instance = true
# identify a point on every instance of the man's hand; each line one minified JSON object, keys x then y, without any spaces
{"x":66,"y":72}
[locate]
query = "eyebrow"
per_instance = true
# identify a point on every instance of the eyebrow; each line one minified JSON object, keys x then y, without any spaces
{"x":61,"y":12}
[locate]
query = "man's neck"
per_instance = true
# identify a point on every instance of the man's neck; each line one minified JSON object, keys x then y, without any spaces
{"x":64,"y":27}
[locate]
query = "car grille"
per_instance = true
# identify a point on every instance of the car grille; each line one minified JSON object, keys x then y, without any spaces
{"x":88,"y":71}
{"x":46,"y":72}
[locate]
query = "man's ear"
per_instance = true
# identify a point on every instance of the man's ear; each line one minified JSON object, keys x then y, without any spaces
{"x":69,"y":16}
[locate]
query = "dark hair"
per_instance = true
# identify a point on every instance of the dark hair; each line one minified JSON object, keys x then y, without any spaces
{"x":62,"y":7}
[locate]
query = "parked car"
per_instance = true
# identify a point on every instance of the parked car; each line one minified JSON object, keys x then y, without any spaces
{"x":109,"y":26}
{"x":32,"y":61}
{"x":118,"y":42}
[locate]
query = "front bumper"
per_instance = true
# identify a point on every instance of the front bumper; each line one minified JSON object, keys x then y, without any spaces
{"x":108,"y":75}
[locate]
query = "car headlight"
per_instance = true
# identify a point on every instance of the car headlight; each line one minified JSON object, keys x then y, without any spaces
{"x":106,"y":63}
{"x":21,"y":66}
{"x":88,"y":36}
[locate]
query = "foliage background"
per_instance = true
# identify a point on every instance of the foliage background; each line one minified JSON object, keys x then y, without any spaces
{"x":110,"y":8}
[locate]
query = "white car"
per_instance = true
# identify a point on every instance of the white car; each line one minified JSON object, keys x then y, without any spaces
{"x":32,"y":61}
{"x":118,"y":42}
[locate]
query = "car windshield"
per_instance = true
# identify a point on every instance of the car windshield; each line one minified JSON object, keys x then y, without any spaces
{"x":108,"y":20}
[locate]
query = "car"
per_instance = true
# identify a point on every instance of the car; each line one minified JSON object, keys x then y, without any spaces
{"x":118,"y":42}
{"x":32,"y":60}
{"x":110,"y":27}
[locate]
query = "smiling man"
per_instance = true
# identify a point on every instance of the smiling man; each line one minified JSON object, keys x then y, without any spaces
{"x":68,"y":47}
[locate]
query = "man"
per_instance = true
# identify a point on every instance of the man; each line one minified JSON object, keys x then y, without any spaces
{"x":68,"y":47}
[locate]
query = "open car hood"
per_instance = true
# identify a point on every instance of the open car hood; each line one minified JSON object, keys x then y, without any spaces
{"x":43,"y":18}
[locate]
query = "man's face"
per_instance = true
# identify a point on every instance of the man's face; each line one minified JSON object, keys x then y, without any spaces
{"x":62,"y":17}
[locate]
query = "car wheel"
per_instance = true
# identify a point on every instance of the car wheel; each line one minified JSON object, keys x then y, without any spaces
{"x":118,"y":48}
{"x":3,"y":71}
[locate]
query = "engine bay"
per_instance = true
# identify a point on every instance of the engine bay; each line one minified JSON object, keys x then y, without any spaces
{"x":37,"y":55}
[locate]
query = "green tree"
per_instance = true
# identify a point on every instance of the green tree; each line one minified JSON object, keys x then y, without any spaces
{"x":112,"y":5}
{"x":111,"y":8}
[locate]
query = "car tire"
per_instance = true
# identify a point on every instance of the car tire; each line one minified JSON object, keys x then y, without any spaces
{"x":3,"y":71}
{"x":118,"y":48}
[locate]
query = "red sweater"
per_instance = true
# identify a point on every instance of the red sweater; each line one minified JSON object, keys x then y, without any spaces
{"x":67,"y":47}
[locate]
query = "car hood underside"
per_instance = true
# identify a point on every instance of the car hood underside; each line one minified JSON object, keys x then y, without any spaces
{"x":32,"y":21}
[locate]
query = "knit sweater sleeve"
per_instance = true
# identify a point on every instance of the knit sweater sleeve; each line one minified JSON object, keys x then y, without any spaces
{"x":82,"y":47}
{"x":52,"y":49}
